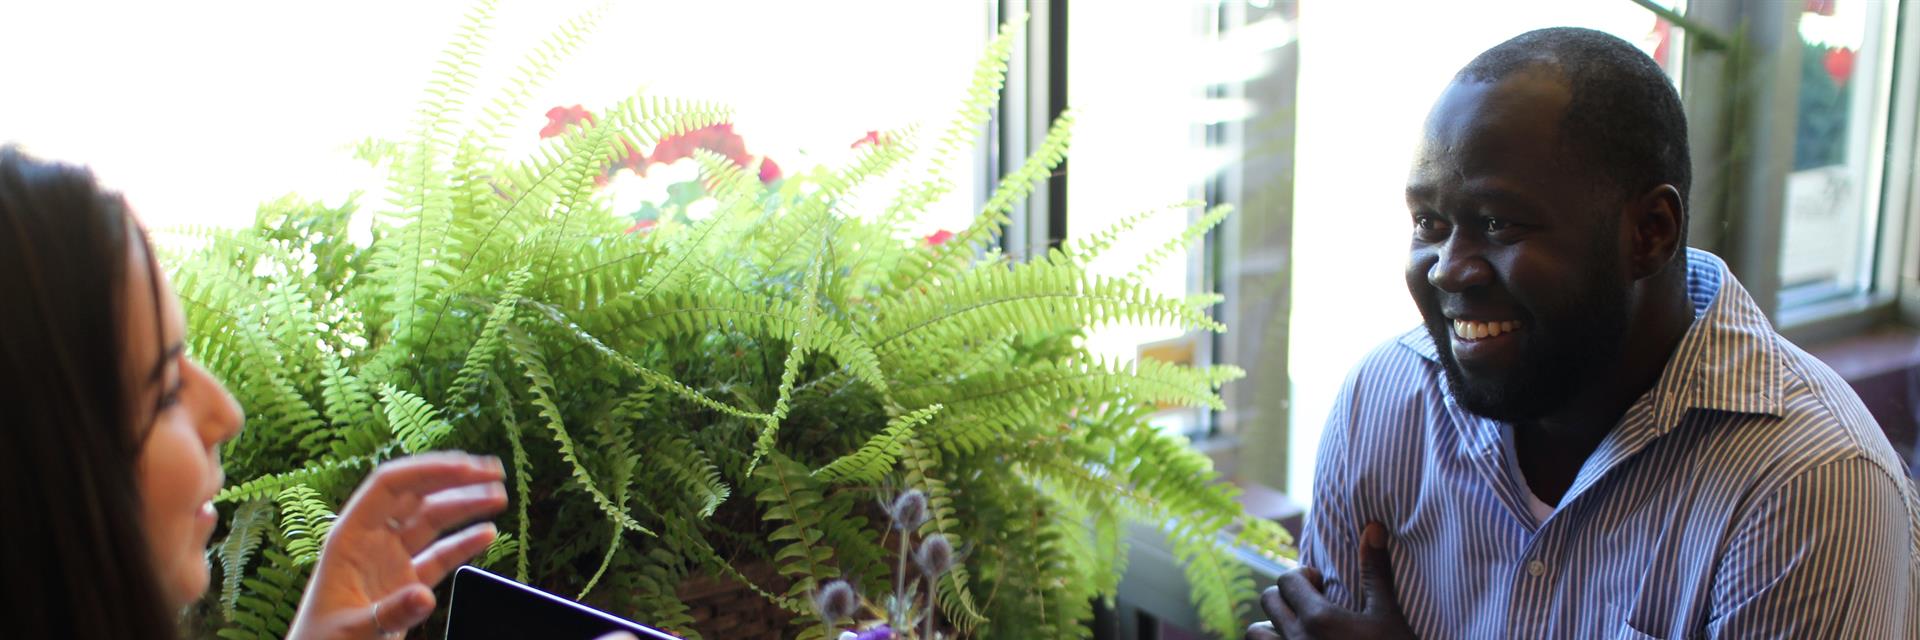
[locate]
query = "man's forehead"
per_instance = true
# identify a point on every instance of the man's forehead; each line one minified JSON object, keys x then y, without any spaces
{"x":1511,"y":121}
{"x":1525,"y":99}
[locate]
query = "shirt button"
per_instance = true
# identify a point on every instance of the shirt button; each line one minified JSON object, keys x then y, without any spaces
{"x":1536,"y":568}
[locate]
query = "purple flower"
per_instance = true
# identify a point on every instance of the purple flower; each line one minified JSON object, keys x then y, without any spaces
{"x":909,"y":510}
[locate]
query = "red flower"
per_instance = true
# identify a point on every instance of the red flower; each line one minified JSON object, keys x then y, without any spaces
{"x":1821,"y":7}
{"x":718,"y":138}
{"x":769,"y":171}
{"x":642,"y":225}
{"x":631,"y":158}
{"x":1664,"y":32}
{"x":938,"y":238}
{"x":1840,"y":65}
{"x":559,"y":118}
{"x":872,"y":137}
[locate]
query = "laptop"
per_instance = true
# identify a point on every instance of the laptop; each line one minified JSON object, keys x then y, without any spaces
{"x":484,"y":606}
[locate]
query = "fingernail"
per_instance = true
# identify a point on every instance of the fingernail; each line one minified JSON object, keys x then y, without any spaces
{"x":1375,"y":536}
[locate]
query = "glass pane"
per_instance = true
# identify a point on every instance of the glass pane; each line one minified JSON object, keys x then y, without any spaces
{"x":1138,"y":78}
{"x":1833,"y":193}
{"x":154,"y":96}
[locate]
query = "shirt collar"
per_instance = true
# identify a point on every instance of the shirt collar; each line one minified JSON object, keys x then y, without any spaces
{"x":1729,"y":360}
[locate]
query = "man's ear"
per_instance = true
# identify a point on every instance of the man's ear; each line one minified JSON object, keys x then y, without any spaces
{"x":1655,"y":225}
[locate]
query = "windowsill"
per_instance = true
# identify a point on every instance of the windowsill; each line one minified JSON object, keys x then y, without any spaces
{"x":1884,"y":349}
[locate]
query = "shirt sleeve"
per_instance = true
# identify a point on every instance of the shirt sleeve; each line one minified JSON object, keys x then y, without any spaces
{"x":1827,"y":555}
{"x":1330,"y":541}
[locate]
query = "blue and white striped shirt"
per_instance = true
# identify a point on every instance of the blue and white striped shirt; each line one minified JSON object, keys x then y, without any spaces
{"x":1748,"y":494}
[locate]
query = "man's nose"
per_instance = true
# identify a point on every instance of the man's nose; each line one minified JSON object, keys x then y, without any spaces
{"x":1459,"y":268}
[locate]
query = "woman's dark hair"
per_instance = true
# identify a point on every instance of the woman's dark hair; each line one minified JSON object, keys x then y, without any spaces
{"x":76,"y":561}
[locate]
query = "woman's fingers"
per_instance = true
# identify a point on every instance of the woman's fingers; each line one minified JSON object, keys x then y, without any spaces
{"x":452,"y":551}
{"x":419,"y":475}
{"x":388,"y":616}
{"x":450,"y":508}
{"x":398,"y":488}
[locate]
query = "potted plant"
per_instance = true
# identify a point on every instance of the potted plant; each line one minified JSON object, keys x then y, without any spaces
{"x":732,"y":397}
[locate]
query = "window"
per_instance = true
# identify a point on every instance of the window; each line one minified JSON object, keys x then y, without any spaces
{"x":1833,"y":208}
{"x":201,"y":111}
{"x":1155,"y":87}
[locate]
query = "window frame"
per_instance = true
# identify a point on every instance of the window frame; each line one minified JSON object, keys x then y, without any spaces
{"x":1739,"y":212}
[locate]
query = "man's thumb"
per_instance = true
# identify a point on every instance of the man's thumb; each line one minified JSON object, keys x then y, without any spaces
{"x":1376,"y":569}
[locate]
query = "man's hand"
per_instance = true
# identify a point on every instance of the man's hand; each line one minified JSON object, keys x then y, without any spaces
{"x":1297,"y":608}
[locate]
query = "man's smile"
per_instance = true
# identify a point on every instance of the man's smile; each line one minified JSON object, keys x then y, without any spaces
{"x":1486,"y":344}
{"x":1474,"y":330}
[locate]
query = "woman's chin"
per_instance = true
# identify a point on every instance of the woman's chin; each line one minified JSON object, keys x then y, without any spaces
{"x":188,"y":582}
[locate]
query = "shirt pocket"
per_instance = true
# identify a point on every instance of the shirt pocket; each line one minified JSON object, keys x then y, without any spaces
{"x":1619,"y":625}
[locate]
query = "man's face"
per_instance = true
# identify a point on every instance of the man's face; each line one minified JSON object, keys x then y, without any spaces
{"x":1517,"y":262}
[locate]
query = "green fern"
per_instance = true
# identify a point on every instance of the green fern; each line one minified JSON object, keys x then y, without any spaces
{"x":739,"y":389}
{"x":245,"y":532}
{"x":305,"y":521}
{"x":791,"y":495}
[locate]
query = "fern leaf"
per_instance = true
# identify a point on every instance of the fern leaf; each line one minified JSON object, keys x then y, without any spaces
{"x":540,"y":388}
{"x":956,"y":601}
{"x":879,"y":454}
{"x":790,"y":495}
{"x":1212,"y":218}
{"x":245,"y":531}
{"x":305,"y":522}
{"x":416,"y":425}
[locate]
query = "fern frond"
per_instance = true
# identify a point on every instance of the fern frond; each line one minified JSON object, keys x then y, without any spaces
{"x":322,"y":472}
{"x":879,"y":454}
{"x":522,"y":475}
{"x":581,"y":336}
{"x":956,"y":601}
{"x":1037,"y":298}
{"x":245,"y":531}
{"x":613,"y":548}
{"x":535,"y":69}
{"x":691,"y":472}
{"x":305,"y":521}
{"x":416,"y":425}
{"x":953,"y":257}
{"x":266,"y":608}
{"x":480,"y":358}
{"x":790,"y":495}
{"x":1087,"y":249}
{"x":540,"y":388}
{"x":1212,"y":218}
{"x":501,"y":547}
{"x":983,"y":94}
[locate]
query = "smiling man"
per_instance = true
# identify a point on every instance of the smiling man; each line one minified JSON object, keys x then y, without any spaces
{"x":1596,"y":433}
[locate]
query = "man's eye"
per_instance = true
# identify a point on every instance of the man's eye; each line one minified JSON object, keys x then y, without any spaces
{"x":1496,"y":225}
{"x":1429,"y":223}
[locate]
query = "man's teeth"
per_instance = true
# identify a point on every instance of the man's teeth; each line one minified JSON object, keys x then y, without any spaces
{"x":1470,"y":330}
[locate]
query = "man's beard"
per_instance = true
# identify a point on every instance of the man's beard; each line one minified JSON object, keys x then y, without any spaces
{"x":1567,"y":344}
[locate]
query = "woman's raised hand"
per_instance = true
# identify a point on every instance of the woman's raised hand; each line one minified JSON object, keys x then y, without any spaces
{"x":377,"y":570}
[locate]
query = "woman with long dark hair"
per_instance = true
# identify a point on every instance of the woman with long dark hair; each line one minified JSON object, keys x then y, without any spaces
{"x":109,"y":438}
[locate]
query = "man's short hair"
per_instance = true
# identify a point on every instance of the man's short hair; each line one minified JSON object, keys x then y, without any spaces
{"x":1624,"y":117}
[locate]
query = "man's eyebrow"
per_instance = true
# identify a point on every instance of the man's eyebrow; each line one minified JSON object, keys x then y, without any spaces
{"x":172,"y":353}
